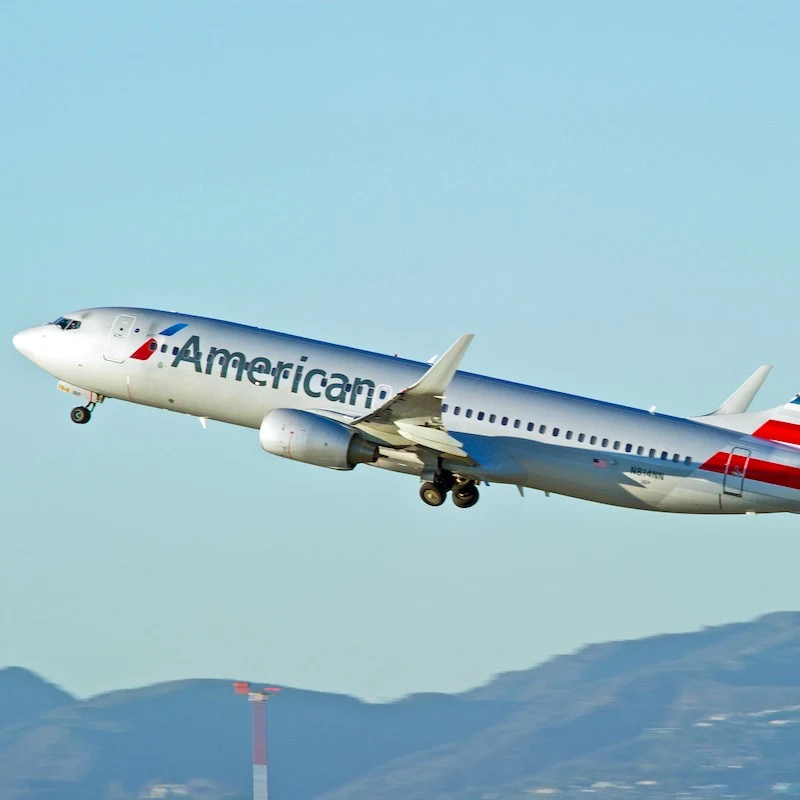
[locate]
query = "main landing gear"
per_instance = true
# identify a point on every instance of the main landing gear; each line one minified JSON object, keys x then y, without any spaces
{"x":82,"y":414}
{"x":464,"y":492}
{"x":465,"y":495}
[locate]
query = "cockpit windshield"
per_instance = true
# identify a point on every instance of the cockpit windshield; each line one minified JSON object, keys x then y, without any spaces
{"x":67,"y":324}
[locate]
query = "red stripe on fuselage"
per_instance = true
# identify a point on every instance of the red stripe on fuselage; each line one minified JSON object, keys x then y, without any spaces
{"x":757,"y":469}
{"x":777,"y":431}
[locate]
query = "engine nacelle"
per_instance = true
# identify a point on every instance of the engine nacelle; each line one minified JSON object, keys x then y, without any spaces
{"x":303,"y":436}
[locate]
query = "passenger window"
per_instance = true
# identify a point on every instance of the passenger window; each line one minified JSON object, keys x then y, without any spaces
{"x":687,"y":460}
{"x":530,"y":426}
{"x":505,"y":421}
{"x":593,"y":440}
{"x":444,"y":408}
{"x":605,"y":443}
{"x":581,"y":437}
{"x":676,"y":458}
{"x":628,"y":448}
{"x":639,"y":450}
{"x":517,"y":423}
{"x":543,"y":429}
{"x":481,"y":415}
{"x":556,"y":431}
{"x":652,"y":453}
{"x":469,"y":413}
{"x":382,"y":395}
{"x":348,"y":388}
{"x":492,"y":417}
{"x":163,"y":348}
{"x":174,"y":351}
{"x":457,"y":410}
{"x":663,"y":455}
{"x":569,"y":434}
{"x":616,"y":445}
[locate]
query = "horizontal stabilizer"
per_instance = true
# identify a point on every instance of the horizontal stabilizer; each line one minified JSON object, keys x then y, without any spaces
{"x":740,"y":400}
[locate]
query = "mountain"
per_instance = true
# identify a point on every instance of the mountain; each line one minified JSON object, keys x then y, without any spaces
{"x":672,"y":712}
{"x":718,"y":709}
{"x":23,"y":696}
{"x":174,"y":732}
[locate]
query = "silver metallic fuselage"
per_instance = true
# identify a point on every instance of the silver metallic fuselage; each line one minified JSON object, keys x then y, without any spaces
{"x":526,"y":436}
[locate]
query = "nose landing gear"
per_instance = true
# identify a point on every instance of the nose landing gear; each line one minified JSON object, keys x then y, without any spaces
{"x":80,"y":415}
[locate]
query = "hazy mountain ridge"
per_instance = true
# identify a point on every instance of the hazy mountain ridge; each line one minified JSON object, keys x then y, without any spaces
{"x":617,"y":694}
{"x":199,"y":728}
{"x":23,"y":696}
{"x":673,"y":710}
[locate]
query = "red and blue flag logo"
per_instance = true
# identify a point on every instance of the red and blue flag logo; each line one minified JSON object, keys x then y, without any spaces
{"x":151,"y":345}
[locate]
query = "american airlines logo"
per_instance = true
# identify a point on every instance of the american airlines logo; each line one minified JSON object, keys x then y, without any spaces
{"x":260,"y":371}
{"x":151,"y":345}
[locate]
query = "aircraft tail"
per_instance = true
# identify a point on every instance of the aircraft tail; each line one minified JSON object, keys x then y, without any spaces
{"x":782,"y":423}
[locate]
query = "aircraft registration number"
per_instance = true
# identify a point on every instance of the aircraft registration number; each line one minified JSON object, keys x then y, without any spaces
{"x":642,"y":472}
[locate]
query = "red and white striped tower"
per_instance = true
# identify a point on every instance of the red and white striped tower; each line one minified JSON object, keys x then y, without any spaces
{"x":258,"y":700}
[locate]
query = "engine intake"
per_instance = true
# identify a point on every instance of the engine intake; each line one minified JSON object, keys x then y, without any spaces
{"x":304,"y":436}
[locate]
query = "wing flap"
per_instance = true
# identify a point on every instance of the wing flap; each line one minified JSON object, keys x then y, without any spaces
{"x":432,"y":438}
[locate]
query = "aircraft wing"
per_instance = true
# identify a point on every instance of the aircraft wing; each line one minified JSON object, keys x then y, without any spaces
{"x":414,"y":415}
{"x":740,"y":400}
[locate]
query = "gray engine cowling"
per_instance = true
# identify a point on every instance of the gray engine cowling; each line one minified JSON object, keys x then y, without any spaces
{"x":307,"y":437}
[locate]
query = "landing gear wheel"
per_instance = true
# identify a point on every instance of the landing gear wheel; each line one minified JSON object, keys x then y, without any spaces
{"x":80,"y":415}
{"x":466,"y":496}
{"x":432,"y":494}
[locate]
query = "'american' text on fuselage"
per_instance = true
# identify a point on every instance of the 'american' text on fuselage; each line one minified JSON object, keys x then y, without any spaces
{"x":336,"y":387}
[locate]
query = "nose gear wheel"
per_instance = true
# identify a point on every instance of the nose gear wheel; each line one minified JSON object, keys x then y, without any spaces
{"x":80,"y":415}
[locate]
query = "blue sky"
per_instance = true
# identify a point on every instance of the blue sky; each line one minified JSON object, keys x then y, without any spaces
{"x":606,"y":194}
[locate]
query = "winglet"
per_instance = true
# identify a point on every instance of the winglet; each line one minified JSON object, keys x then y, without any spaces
{"x":740,"y":400}
{"x":435,"y":381}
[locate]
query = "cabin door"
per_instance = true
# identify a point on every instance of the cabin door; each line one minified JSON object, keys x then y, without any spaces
{"x":117,"y":344}
{"x":733,"y":482}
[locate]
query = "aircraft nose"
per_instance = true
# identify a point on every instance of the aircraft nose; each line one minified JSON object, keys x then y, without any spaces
{"x":24,"y":341}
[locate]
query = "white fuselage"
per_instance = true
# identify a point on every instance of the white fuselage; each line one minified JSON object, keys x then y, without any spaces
{"x":514,"y":434}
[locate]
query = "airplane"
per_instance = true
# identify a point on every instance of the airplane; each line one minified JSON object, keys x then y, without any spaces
{"x":338,"y":407}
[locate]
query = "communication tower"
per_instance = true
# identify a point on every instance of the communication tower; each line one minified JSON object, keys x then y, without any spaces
{"x":258,"y":702}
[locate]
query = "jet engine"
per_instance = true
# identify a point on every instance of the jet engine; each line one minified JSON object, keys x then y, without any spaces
{"x":303,"y":436}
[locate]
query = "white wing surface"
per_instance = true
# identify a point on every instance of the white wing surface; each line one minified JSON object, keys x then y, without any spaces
{"x":414,"y":415}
